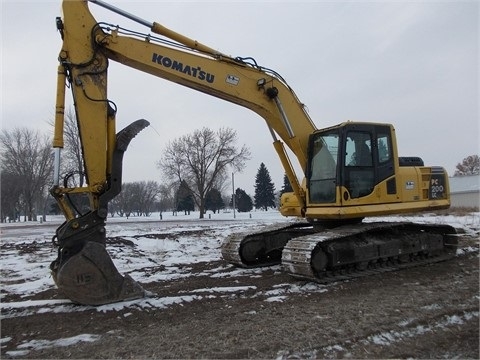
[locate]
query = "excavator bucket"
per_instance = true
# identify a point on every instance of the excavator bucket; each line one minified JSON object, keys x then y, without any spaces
{"x":89,"y":277}
{"x":84,"y":271}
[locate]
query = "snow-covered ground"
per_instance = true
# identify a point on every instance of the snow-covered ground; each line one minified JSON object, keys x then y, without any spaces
{"x":26,"y":249}
{"x":26,"y":253}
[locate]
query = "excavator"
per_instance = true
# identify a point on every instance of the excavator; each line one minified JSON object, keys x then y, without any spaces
{"x":351,"y":171}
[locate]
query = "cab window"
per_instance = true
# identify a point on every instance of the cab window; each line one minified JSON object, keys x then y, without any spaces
{"x":383,"y":148}
{"x":359,"y":170}
{"x":358,"y":149}
{"x":323,"y":168}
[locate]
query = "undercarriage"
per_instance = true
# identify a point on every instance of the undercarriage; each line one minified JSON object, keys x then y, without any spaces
{"x":324,"y":255}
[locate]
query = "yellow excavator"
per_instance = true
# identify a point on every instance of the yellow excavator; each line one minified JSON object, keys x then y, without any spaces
{"x":350,"y":171}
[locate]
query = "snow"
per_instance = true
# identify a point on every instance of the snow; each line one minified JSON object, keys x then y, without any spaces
{"x":223,"y":289}
{"x":389,"y":337}
{"x":280,"y":292}
{"x":44,"y":344}
{"x":432,"y":307}
{"x":25,"y":347}
{"x":26,"y":253}
{"x":26,"y":250}
{"x":385,"y":338}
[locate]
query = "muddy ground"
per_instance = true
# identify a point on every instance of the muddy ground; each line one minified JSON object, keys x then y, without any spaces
{"x":423,"y":312}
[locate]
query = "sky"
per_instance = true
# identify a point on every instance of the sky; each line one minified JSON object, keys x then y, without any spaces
{"x":412,"y":64}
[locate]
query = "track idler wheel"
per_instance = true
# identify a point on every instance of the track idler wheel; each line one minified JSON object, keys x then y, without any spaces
{"x":319,"y":260}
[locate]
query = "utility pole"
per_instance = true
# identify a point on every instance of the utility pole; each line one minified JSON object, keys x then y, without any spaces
{"x":233,"y":194}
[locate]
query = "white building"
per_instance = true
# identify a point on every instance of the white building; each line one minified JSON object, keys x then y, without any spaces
{"x":465,"y":191}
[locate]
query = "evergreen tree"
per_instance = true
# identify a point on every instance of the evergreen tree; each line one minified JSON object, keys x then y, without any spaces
{"x":214,"y":201}
{"x":185,"y":200}
{"x":264,"y":189}
{"x":243,"y":202}
{"x":287,"y":187}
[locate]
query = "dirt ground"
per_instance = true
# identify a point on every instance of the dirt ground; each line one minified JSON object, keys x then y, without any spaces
{"x":423,"y":312}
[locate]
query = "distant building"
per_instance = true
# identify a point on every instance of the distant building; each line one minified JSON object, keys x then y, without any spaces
{"x":465,"y":191}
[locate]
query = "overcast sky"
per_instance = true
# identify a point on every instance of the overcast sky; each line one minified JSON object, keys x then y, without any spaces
{"x":412,"y":64}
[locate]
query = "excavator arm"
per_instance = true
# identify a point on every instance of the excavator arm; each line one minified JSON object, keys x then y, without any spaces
{"x":88,"y":46}
{"x":83,"y":269}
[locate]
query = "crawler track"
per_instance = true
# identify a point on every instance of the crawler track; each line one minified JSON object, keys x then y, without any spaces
{"x":344,"y":252}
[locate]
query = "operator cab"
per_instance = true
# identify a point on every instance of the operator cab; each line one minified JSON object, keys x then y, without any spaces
{"x":347,"y":161}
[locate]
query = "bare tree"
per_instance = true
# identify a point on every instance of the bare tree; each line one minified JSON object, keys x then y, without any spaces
{"x":28,"y":155}
{"x":124,"y":202}
{"x":11,"y":193}
{"x":136,"y":198}
{"x":167,"y":197}
{"x":222,"y":183}
{"x":72,"y":153}
{"x":201,"y":158}
{"x":72,"y":156}
{"x":146,"y":194}
{"x":469,"y":166}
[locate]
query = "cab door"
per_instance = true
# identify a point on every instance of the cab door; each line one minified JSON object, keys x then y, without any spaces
{"x":367,"y":159}
{"x":322,"y":171}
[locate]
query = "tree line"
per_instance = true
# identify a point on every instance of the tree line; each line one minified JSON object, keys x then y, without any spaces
{"x":195,"y":169}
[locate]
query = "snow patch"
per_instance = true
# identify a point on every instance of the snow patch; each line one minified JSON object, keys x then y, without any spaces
{"x":466,"y":250}
{"x":389,"y":337}
{"x":5,"y":340}
{"x":223,"y":289}
{"x":146,"y":303}
{"x":279,"y":298}
{"x":280,"y":291}
{"x":24,"y":348}
{"x":431,"y":307}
